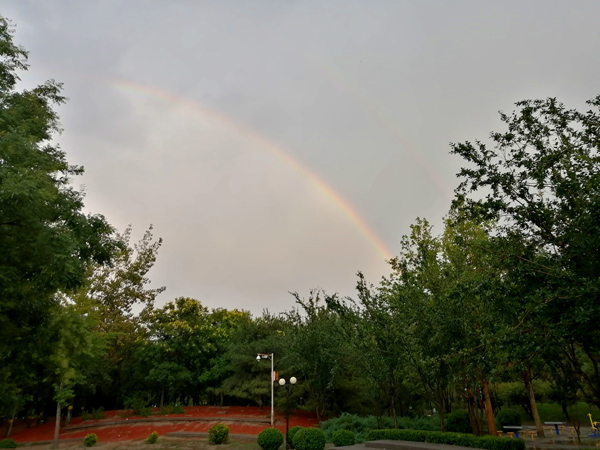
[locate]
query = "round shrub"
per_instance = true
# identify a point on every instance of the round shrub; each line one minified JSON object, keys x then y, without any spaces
{"x":342,"y":438}
{"x":8,"y":443}
{"x":90,"y":440}
{"x":290,"y":435}
{"x":270,"y":439}
{"x":218,"y":434}
{"x":458,"y":422}
{"x":152,"y":438}
{"x":508,"y":417}
{"x":309,"y":439}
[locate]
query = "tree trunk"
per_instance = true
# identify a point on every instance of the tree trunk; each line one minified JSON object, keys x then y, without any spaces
{"x":162,"y":398}
{"x":531,"y":396}
{"x":12,"y":420}
{"x":56,"y":426}
{"x":489,"y":412}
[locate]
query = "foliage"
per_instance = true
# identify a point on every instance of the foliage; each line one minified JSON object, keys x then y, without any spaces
{"x":90,"y":440}
{"x":96,"y":414}
{"x":218,"y":434}
{"x":138,"y":403}
{"x":309,"y":439}
{"x":290,"y":435}
{"x":359,"y":426}
{"x":541,"y":183}
{"x":508,"y":417}
{"x":47,"y":241}
{"x":152,"y":438}
{"x":430,"y":423}
{"x":458,"y":422}
{"x":460,"y":439}
{"x":270,"y":439}
{"x":342,"y":438}
{"x":8,"y":443}
{"x":178,"y":409}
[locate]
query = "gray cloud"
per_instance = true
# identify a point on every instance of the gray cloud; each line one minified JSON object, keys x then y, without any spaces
{"x":365,"y":95}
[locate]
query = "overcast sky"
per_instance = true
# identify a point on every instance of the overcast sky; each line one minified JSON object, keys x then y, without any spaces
{"x":284,"y":145}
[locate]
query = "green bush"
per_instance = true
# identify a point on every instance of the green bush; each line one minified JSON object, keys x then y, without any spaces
{"x":309,"y":439}
{"x":218,"y":434}
{"x":431,"y":423}
{"x":341,"y":438}
{"x":90,"y":440}
{"x":8,"y":443}
{"x":461,"y":439}
{"x":96,"y":414}
{"x":290,"y":435}
{"x":458,"y":422}
{"x":152,"y":438}
{"x":360,"y":426}
{"x":508,"y":417}
{"x":270,"y":439}
{"x":178,"y":409}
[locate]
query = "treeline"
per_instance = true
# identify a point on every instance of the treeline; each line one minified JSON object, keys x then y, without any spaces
{"x":508,"y":291}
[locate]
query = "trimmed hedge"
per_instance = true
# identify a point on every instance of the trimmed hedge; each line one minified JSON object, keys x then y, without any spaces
{"x":459,"y":422}
{"x":290,"y":435}
{"x":270,"y":439}
{"x":152,"y":438}
{"x":438,"y":437}
{"x":8,"y":443}
{"x":309,"y":439}
{"x":90,"y":440}
{"x":218,"y":434}
{"x":342,"y":438}
{"x":508,"y":417}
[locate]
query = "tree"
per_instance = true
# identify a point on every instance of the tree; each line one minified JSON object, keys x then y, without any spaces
{"x":46,"y":241}
{"x":541,"y":182}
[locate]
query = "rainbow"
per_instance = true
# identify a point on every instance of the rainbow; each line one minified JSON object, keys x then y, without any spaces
{"x":268,"y":145}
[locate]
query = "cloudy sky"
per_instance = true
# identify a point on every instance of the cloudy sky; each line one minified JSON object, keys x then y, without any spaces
{"x":284,"y":145}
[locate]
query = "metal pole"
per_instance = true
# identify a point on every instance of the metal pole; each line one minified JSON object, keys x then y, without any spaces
{"x":272,"y":393}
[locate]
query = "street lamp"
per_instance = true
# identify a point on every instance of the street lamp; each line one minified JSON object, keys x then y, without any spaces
{"x":287,"y":406}
{"x":270,"y":356}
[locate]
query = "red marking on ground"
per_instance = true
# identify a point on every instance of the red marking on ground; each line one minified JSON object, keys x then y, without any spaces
{"x":138,"y":431}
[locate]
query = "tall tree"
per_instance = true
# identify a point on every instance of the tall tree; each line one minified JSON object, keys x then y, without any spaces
{"x":540,"y":179}
{"x":46,"y":240}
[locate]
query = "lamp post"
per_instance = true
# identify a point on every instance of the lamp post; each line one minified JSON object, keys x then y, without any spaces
{"x":287,"y":406}
{"x":270,"y":356}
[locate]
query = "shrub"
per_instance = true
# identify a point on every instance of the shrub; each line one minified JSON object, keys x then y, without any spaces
{"x":218,"y":434}
{"x":270,"y":439}
{"x":178,"y":409}
{"x":342,"y":438}
{"x":90,"y":440}
{"x":461,"y":439}
{"x":8,"y":443}
{"x":152,"y":438}
{"x":431,"y":423}
{"x":458,"y":422}
{"x":290,"y":435}
{"x":360,"y":426}
{"x":508,"y":417}
{"x":309,"y":439}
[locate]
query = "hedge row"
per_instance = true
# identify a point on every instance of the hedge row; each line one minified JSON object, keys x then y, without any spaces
{"x":438,"y":437}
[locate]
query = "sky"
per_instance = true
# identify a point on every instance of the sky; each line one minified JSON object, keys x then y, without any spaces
{"x":281,"y":146}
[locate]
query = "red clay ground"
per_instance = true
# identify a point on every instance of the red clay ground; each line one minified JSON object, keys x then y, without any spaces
{"x":134,"y":431}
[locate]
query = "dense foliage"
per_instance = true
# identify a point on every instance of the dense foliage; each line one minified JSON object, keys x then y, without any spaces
{"x":458,"y":422}
{"x":90,"y":440}
{"x":460,"y":439}
{"x":218,"y":434}
{"x":342,"y":438}
{"x":309,"y":439}
{"x":289,"y":438}
{"x":508,"y":417}
{"x":270,"y":439}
